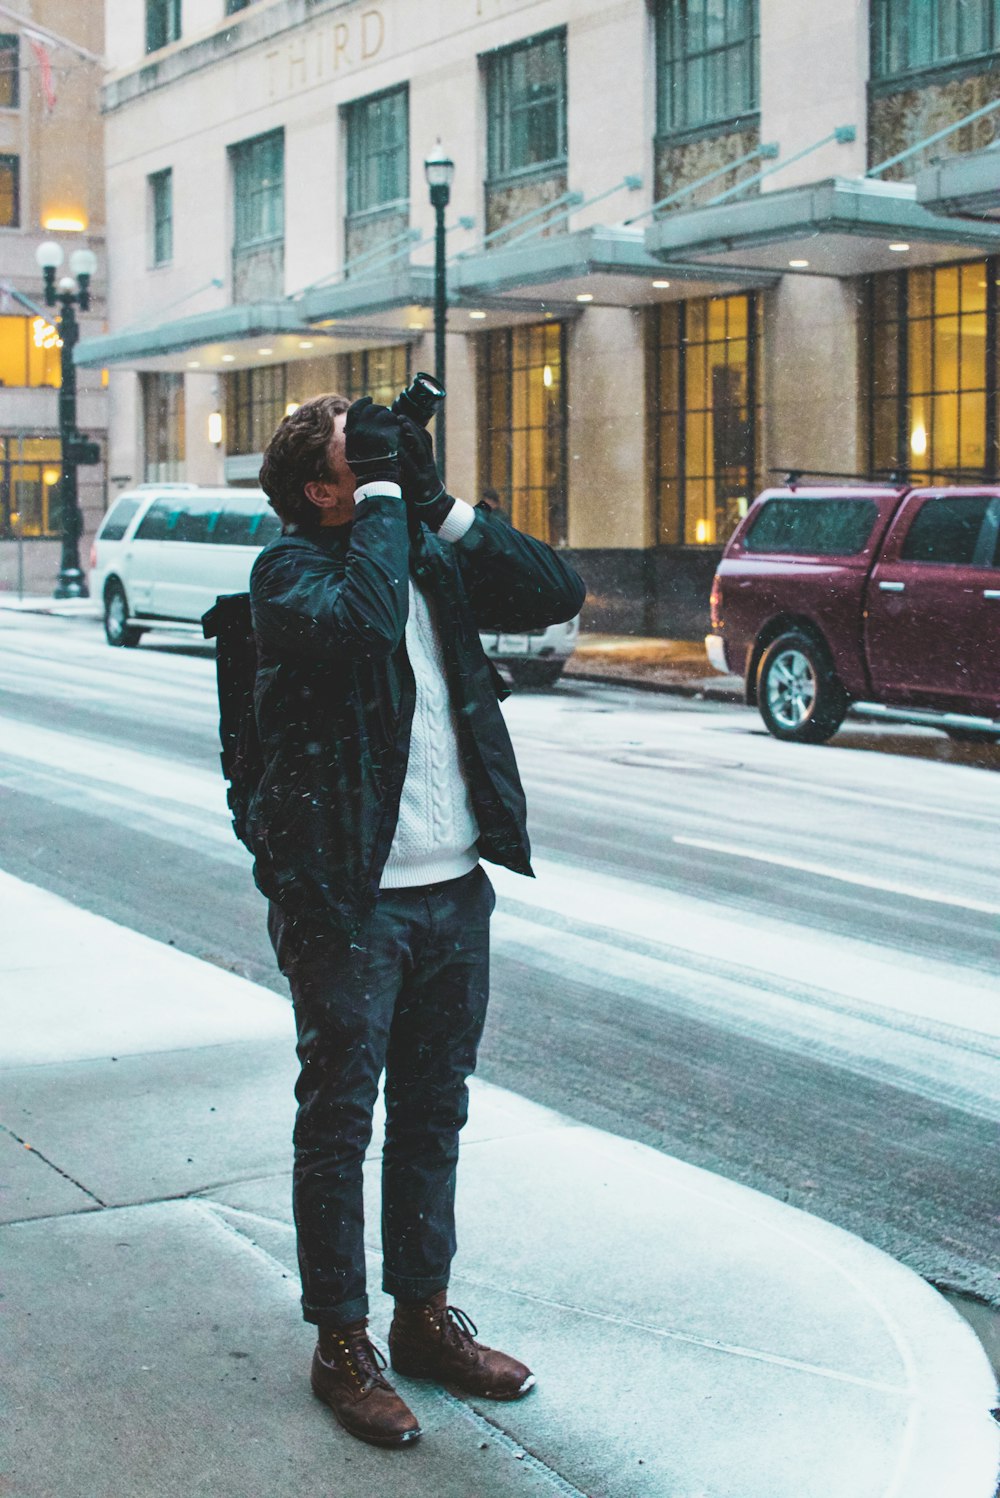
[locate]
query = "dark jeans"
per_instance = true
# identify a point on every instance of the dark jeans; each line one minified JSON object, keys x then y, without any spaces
{"x":410,"y":998}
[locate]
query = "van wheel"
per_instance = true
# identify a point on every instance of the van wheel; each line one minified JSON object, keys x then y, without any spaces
{"x":535,"y":673}
{"x":117,"y":630}
{"x":798,"y":694}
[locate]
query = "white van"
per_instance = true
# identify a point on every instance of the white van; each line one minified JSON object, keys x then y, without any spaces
{"x":164,"y":553}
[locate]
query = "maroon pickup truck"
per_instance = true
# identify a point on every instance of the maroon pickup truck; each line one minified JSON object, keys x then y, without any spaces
{"x":887,"y":599}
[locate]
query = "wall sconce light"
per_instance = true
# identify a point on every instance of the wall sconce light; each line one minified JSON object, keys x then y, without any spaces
{"x":215,"y":428}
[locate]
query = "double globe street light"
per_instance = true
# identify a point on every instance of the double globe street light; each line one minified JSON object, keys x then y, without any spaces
{"x":440,"y":172}
{"x":72,"y":291}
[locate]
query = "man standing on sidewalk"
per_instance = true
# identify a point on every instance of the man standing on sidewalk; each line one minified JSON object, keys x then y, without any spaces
{"x":389,"y":773}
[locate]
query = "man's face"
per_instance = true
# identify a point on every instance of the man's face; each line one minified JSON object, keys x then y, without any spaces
{"x":334,"y":496}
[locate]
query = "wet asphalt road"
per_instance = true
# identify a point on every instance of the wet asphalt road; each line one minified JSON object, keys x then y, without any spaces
{"x":773,"y":962}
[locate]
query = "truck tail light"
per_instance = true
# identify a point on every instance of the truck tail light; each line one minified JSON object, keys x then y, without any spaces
{"x":93,"y":555}
{"x":715,"y":604}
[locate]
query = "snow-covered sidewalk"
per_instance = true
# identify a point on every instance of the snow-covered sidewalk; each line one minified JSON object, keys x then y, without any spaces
{"x":691,"y":1338}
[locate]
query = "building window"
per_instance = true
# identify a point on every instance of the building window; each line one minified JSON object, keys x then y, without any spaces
{"x":526,"y":106}
{"x":10,"y":73}
{"x":259,"y":190}
{"x":10,"y":192}
{"x":378,"y":152}
{"x":161,"y":204}
{"x":30,"y":474}
{"x":704,"y":388}
{"x":163,"y":23}
{"x":909,"y":36}
{"x":707,"y":62}
{"x":255,"y":404}
{"x":522,"y":413}
{"x":29,"y":352}
{"x":932,"y":375}
{"x":163,"y":427}
{"x":379,"y":372}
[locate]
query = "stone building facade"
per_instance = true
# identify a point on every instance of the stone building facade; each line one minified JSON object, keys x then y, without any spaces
{"x":677,"y":256}
{"x":51,"y":188}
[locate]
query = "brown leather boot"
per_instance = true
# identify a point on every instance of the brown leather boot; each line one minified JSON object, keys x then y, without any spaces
{"x":349,"y":1379}
{"x":435,"y":1340}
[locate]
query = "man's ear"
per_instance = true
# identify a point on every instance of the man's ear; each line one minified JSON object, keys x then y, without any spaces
{"x":318,"y":493}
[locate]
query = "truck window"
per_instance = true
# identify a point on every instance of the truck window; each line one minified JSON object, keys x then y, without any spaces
{"x":812,"y":527}
{"x":117,"y":520}
{"x":945,"y":530}
{"x":194,"y":522}
{"x":158,"y":521}
{"x":240,"y":523}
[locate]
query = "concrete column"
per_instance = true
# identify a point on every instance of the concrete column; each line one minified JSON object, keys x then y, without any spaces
{"x":124,"y":432}
{"x":203,"y":462}
{"x":463,"y":475}
{"x":812,"y":412}
{"x":608,"y":490}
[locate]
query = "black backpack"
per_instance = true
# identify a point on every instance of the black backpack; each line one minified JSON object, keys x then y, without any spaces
{"x":230,"y":624}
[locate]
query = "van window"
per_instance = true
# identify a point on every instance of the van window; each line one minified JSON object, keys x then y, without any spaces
{"x":242,"y":522}
{"x":946,"y":530}
{"x":118,"y":519}
{"x":812,"y":527}
{"x":158,"y":520}
{"x":194,"y":522}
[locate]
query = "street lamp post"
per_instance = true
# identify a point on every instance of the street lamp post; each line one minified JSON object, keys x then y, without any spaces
{"x":73,"y":291}
{"x":440,"y":171}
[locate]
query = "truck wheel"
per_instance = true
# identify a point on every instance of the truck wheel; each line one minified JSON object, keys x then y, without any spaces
{"x":798,"y":694}
{"x":534,"y":673}
{"x":117,"y":630}
{"x":972,"y":736}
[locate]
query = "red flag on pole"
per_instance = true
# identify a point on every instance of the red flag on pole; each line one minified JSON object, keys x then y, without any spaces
{"x":44,"y":68}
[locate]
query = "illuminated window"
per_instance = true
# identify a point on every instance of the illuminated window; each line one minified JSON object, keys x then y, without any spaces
{"x":932,"y":371}
{"x":29,"y":487}
{"x":161,"y":205}
{"x":526,"y":106}
{"x":379,"y":372}
{"x":703,"y":382}
{"x":706,"y":62}
{"x":163,"y":427}
{"x":522,"y":406}
{"x":10,"y":192}
{"x":29,"y":352}
{"x":908,"y":36}
{"x":255,"y":404}
{"x":10,"y":75}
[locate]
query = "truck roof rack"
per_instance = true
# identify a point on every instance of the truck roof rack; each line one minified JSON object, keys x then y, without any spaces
{"x":894,"y":477}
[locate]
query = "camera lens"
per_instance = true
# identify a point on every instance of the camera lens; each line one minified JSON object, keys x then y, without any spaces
{"x":420,"y":400}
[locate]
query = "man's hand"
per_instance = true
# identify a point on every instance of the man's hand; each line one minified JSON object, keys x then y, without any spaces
{"x":371,"y":442}
{"x":425,"y":494}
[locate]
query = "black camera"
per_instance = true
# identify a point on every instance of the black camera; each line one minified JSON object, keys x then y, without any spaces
{"x":420,"y":400}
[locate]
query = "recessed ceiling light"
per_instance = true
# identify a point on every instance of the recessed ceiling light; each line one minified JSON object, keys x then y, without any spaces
{"x":305,"y":343}
{"x":900,"y":248}
{"x":194,"y":364}
{"x":798,"y":264}
{"x":477,"y":316}
{"x":585,"y":296}
{"x":661,"y":285}
{"x":265,"y":351}
{"x":416,"y":327}
{"x":228,"y":358}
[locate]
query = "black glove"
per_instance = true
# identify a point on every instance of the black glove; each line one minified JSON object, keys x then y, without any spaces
{"x":371,"y":442}
{"x":425,"y":494}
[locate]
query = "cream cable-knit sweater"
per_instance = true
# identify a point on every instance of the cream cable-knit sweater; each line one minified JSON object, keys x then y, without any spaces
{"x":435,"y":837}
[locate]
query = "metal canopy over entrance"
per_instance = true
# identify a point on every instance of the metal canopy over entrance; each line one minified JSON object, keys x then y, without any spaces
{"x":963,"y":185}
{"x":606,"y":266}
{"x":840,"y":227}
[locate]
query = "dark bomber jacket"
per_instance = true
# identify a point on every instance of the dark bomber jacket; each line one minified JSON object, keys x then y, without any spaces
{"x":335,"y":694}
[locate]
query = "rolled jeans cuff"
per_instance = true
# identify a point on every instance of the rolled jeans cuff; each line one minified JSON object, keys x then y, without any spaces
{"x":414,"y":1290}
{"x":345,"y":1314}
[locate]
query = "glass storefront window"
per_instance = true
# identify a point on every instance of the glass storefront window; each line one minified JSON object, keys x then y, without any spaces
{"x":379,"y":372}
{"x":255,"y":404}
{"x":703,"y":384}
{"x":29,"y":352}
{"x":522,"y":413}
{"x":163,"y":427}
{"x":932,"y":371}
{"x":29,"y":487}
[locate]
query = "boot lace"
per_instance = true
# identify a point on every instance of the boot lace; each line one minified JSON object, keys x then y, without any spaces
{"x":460,"y":1331}
{"x":363,"y":1361}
